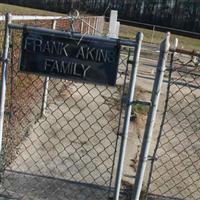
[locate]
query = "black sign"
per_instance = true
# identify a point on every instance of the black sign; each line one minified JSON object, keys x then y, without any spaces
{"x":69,"y":58}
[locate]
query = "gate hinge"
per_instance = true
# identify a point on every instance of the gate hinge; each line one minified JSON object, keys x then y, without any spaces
{"x":130,"y":62}
{"x":120,"y":134}
{"x":1,"y":56}
{"x":152,"y":158}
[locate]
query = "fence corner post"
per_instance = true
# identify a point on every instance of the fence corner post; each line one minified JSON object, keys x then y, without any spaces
{"x":164,"y":48}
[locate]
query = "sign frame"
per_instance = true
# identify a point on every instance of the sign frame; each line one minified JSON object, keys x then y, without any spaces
{"x":95,"y":61}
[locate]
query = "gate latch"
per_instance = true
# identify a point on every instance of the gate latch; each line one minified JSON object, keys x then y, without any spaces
{"x":3,"y":60}
{"x":1,"y":57}
{"x":126,"y":101}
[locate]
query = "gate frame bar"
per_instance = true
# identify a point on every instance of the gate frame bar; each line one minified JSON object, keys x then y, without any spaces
{"x":145,"y":149}
{"x":131,"y":43}
{"x":129,"y":100}
{"x":8,"y":18}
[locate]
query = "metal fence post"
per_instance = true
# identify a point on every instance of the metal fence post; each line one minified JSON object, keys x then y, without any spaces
{"x":88,"y":30}
{"x":94,"y":26}
{"x":153,"y":32}
{"x":4,"y":74}
{"x":81,"y":26}
{"x":46,"y":84}
{"x":164,"y":48}
{"x":129,"y":101}
{"x":173,"y":47}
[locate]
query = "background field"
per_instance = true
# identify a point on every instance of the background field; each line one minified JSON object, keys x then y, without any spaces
{"x":18,"y":10}
{"x":125,"y":31}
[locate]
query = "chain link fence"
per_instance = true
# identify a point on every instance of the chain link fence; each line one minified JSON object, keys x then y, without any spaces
{"x":71,"y":151}
{"x":174,"y":172}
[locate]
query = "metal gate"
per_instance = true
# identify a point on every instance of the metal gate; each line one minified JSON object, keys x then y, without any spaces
{"x":71,"y":151}
{"x":174,"y":172}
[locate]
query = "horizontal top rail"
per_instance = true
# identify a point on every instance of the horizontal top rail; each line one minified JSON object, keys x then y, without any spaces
{"x":36,"y":17}
{"x":75,"y":35}
{"x":186,"y":52}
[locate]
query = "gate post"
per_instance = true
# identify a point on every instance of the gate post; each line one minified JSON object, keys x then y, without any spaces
{"x":164,"y":48}
{"x":46,"y":85}
{"x":4,"y":74}
{"x":129,"y":101}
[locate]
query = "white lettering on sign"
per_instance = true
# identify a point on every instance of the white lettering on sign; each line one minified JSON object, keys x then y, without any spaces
{"x":69,"y":68}
{"x":58,"y":48}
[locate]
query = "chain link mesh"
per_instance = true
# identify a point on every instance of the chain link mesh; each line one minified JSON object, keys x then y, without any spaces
{"x":71,"y":151}
{"x":175,"y":173}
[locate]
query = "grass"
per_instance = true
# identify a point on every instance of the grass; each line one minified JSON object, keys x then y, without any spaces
{"x":137,"y":108}
{"x":140,"y":109}
{"x":125,"y":31}
{"x":184,"y":42}
{"x":19,"y":10}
